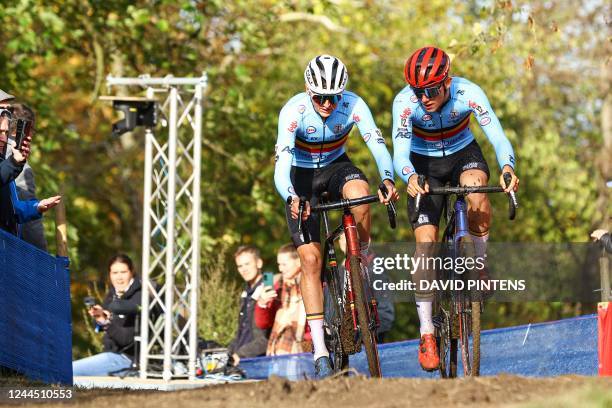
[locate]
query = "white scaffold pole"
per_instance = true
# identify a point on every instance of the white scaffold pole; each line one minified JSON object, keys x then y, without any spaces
{"x":171,"y":212}
{"x":195,"y":229}
{"x":146,"y":247}
{"x":171,"y":224}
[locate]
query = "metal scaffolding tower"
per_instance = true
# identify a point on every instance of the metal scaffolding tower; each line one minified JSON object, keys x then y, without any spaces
{"x":171,"y":225}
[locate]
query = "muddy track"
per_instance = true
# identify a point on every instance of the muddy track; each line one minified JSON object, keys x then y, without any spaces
{"x":503,"y":390}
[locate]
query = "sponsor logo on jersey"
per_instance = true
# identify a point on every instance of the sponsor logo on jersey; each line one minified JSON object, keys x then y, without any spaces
{"x":356,"y":118}
{"x":406,"y":113}
{"x":479,"y":109}
{"x":338,"y":128}
{"x":471,"y":165}
{"x":426,"y":117}
{"x":454,"y":114}
{"x":311,"y":129}
{"x":511,"y":158}
{"x":460,"y":91}
{"x":301,"y":108}
{"x":379,"y":137}
{"x":345,"y":105}
{"x":423,"y":219}
{"x":414,"y":99}
{"x":407,"y":170}
{"x":402,"y":133}
{"x":286,"y":149}
{"x":353,"y":176}
{"x":388,"y":173}
{"x":485,"y":121}
{"x":404,"y":116}
{"x":292,"y":126}
{"x":366,"y":137}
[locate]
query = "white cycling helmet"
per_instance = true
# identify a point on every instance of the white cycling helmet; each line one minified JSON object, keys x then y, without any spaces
{"x":326,"y":75}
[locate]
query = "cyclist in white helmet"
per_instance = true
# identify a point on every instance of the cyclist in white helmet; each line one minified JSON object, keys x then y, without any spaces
{"x":313,"y":127}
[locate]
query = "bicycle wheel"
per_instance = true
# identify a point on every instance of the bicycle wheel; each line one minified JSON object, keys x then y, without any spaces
{"x":469,"y":334}
{"x":333,"y":322}
{"x":442,"y":339}
{"x":366,"y":328}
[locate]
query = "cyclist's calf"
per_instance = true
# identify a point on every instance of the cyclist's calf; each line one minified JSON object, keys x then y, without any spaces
{"x":426,"y":237}
{"x":479,"y":207}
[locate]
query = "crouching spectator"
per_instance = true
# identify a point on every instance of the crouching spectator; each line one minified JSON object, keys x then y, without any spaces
{"x":116,"y":317}
{"x":282,"y":308}
{"x":250,"y":340}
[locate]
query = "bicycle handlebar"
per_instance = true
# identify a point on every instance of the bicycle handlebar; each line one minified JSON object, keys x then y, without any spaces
{"x":346,"y":204}
{"x":512,"y":200}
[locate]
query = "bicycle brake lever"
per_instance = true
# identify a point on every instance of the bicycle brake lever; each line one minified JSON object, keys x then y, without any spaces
{"x":507,"y":180}
{"x":417,"y":200}
{"x":305,"y":235}
{"x":391,"y":211}
{"x":512,"y":202}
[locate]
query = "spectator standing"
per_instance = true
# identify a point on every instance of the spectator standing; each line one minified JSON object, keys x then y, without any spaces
{"x":33,"y":231}
{"x":9,"y":169}
{"x":14,"y":212}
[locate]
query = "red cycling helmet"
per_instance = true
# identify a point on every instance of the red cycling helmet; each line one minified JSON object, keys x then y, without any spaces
{"x":427,"y":66}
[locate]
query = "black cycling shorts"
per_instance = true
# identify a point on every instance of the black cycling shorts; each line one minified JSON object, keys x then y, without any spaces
{"x":439,"y":171}
{"x":311,"y":183}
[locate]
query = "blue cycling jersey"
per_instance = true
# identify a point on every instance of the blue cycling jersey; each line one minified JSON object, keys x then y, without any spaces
{"x":437,"y":134}
{"x":307,"y":140}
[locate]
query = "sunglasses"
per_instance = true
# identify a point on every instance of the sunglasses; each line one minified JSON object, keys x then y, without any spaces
{"x":430,"y":92}
{"x":6,"y":113}
{"x":321,"y":99}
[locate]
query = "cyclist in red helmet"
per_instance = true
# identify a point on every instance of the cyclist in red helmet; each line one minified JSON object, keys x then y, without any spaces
{"x":432,"y":137}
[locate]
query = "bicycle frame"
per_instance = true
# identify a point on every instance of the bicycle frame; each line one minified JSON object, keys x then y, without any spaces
{"x":460,"y":318}
{"x":349,"y":228}
{"x":351,"y":286}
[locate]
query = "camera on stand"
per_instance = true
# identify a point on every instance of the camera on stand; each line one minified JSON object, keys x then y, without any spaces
{"x":136,"y":112}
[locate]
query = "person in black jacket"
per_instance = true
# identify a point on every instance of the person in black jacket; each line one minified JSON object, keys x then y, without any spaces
{"x":250,"y":340}
{"x":116,"y":317}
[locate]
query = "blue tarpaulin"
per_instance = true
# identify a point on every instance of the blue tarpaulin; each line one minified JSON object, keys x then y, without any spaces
{"x":35,"y":320}
{"x":566,"y":346}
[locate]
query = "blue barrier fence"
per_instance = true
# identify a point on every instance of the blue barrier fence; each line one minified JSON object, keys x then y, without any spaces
{"x":35,"y":320}
{"x":566,"y":346}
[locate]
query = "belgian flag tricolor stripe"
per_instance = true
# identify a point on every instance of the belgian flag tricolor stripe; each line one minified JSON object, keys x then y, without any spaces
{"x":440,"y":134}
{"x":315,"y":147}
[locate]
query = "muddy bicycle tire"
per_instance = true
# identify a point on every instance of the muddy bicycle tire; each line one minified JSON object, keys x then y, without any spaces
{"x":368,"y":336}
{"x":470,"y":350}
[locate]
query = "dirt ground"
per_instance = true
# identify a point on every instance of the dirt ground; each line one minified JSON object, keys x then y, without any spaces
{"x":503,"y":390}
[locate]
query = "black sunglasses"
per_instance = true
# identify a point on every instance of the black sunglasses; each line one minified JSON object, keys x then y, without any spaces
{"x":6,"y":113}
{"x":430,"y":92}
{"x":321,"y":99}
